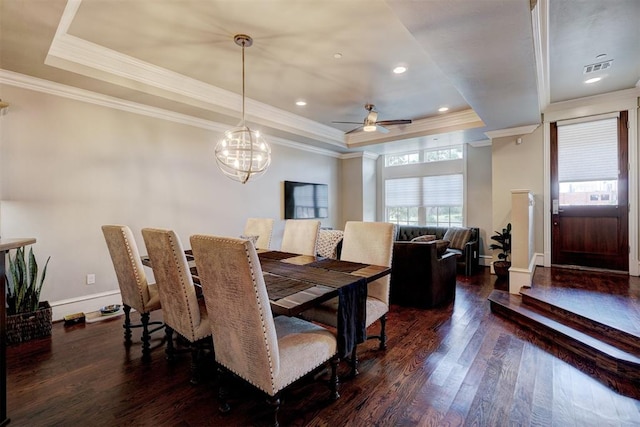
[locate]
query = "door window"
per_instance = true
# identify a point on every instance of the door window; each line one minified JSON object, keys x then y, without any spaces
{"x":588,"y":163}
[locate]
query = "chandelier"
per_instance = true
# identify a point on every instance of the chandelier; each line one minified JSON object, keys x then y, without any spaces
{"x":243,"y":153}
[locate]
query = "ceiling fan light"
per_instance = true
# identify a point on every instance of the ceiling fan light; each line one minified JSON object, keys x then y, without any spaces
{"x":369,"y":128}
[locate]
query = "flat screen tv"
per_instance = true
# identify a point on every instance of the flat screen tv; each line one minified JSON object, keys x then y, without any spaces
{"x":305,"y":200}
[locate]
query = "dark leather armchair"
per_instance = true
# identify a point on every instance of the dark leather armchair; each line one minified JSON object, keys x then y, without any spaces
{"x":419,"y":278}
{"x":467,"y":256}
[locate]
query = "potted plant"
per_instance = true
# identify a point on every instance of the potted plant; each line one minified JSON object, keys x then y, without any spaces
{"x":27,"y":317}
{"x":501,"y":267}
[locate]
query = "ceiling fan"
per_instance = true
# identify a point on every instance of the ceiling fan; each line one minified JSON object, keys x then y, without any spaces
{"x":371,"y":123}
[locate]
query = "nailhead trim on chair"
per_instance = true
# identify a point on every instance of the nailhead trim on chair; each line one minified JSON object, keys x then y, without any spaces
{"x":183,"y":285}
{"x":135,"y":269}
{"x":264,"y":326}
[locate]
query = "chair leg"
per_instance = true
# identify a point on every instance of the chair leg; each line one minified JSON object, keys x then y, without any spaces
{"x":127,"y":324}
{"x":334,"y":382}
{"x":170,"y":351}
{"x":146,"y":337}
{"x":383,"y":332}
{"x":274,"y":402}
{"x":354,"y":361}
{"x":195,"y":362}
{"x":223,"y":405}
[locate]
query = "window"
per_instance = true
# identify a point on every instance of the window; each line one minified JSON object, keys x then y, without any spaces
{"x":448,"y":153}
{"x":428,"y":200}
{"x":402,"y":159}
{"x":454,"y":152}
{"x":588,"y":163}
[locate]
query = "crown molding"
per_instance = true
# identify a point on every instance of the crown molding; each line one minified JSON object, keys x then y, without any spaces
{"x":626,"y":99}
{"x":360,"y":154}
{"x":51,"y":88}
{"x":520,"y":130}
{"x":303,"y":147}
{"x":540,"y":23}
{"x":45,"y":86}
{"x":461,"y":120}
{"x":479,"y":144}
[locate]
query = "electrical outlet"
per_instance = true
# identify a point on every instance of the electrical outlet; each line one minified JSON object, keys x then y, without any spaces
{"x":91,"y":279}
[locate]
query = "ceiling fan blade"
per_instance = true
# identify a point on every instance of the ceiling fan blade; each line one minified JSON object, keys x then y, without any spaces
{"x":394,"y":122}
{"x":359,"y":128}
{"x":350,"y":123}
{"x":381,"y":129}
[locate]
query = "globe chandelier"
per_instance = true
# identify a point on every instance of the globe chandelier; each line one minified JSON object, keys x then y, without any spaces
{"x":243,"y":153}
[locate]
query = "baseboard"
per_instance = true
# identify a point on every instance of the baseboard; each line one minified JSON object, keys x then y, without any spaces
{"x":485,"y":260}
{"x":84,"y":304}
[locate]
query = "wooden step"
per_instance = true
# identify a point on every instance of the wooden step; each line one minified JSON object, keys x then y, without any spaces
{"x":585,"y":322}
{"x":588,"y":346}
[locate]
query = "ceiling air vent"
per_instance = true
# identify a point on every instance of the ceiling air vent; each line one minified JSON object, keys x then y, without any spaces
{"x":599,"y":66}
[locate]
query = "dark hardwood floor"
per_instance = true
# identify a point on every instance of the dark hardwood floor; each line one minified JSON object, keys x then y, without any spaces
{"x":460,"y":365}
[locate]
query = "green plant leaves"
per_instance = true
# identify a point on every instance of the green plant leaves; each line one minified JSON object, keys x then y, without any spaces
{"x":504,"y":242}
{"x":23,"y":286}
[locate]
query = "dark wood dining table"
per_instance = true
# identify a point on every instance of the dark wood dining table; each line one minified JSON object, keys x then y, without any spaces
{"x":296,"y":283}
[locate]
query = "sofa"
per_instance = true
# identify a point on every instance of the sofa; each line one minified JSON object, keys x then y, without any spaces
{"x":420,"y":276}
{"x":463,"y":243}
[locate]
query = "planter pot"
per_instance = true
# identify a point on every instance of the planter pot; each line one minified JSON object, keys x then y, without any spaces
{"x":501,"y":269}
{"x":28,"y":326}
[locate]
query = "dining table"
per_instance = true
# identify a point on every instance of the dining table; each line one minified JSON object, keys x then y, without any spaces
{"x":296,"y":283}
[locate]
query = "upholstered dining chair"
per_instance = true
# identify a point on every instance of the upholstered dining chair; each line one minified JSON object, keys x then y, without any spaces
{"x":269,"y":353}
{"x":183,"y":312}
{"x":329,"y":243}
{"x":367,"y":243}
{"x":261,"y":227}
{"x":300,"y":236}
{"x":136,"y":292}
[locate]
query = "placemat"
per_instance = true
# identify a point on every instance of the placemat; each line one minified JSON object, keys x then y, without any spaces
{"x":277,"y":255}
{"x":336,"y":265}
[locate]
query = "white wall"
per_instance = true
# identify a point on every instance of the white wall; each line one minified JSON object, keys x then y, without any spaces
{"x":67,"y":167}
{"x":518,"y":166}
{"x":352,"y":192}
{"x":479,"y":196}
{"x":369,"y":180}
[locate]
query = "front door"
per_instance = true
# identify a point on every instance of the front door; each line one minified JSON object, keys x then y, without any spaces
{"x":589,"y":186}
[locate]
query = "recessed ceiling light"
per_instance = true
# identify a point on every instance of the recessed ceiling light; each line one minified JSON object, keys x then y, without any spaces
{"x":602,"y":55}
{"x":400,"y":69}
{"x":301,"y":103}
{"x":337,"y":55}
{"x":593,"y":80}
{"x":443,"y":109}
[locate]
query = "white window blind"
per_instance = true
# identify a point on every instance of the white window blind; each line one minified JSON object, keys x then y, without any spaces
{"x":403,"y":192}
{"x":588,"y":151}
{"x":442,"y":190}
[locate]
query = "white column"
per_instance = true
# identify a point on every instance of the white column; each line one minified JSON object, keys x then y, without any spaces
{"x":522,"y":240}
